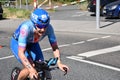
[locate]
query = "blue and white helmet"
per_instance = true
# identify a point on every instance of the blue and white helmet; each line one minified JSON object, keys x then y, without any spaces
{"x":40,"y":18}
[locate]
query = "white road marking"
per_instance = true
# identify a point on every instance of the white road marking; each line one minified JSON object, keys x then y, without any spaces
{"x":100,"y":51}
{"x":93,"y":63}
{"x":83,"y":12}
{"x":77,"y":15}
{"x":75,"y":57}
{"x":79,"y":12}
{"x":105,"y":37}
{"x":78,"y":42}
{"x":64,"y":45}
{"x":46,"y":49}
{"x":92,"y":39}
{"x":7,"y":57}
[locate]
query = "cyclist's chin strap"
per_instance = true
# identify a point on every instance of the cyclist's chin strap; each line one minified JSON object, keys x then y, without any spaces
{"x":35,"y":26}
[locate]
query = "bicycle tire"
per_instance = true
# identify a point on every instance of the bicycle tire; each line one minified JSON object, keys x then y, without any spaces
{"x":48,"y":79}
{"x":13,"y":72}
{"x":46,"y":75}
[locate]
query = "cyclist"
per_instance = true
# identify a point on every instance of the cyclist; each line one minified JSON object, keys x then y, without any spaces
{"x":25,"y":47}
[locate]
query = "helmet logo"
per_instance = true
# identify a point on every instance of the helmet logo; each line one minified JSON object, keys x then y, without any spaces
{"x":44,"y":17}
{"x":34,"y":16}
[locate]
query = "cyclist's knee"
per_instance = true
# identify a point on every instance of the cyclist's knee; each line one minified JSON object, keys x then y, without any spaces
{"x":23,"y":74}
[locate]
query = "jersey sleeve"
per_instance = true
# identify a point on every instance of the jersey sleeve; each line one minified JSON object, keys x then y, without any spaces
{"x":51,"y":35}
{"x":22,"y":39}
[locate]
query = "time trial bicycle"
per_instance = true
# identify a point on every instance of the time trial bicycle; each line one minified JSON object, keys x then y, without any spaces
{"x":43,"y":68}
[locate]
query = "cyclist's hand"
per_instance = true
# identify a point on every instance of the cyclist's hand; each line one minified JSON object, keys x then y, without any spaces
{"x":63,"y":67}
{"x":33,"y":74}
{"x":66,"y":70}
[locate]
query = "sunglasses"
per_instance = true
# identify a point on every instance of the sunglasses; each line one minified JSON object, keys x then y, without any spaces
{"x":40,"y":26}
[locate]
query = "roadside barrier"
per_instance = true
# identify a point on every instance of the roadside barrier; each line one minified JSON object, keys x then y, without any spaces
{"x":72,"y":3}
{"x":54,"y":7}
{"x":35,"y":4}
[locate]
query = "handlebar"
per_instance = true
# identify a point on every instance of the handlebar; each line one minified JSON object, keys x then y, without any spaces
{"x":44,"y":65}
{"x":52,"y":61}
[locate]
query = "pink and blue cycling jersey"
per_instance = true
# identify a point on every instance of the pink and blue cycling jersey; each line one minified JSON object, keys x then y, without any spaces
{"x":24,"y":37}
{"x":25,"y":34}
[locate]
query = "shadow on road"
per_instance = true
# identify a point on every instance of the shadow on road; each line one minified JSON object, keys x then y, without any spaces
{"x":113,"y":20}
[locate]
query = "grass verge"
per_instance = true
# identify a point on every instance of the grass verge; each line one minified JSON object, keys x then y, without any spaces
{"x":16,"y":13}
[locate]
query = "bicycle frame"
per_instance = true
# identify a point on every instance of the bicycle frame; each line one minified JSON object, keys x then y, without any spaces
{"x":43,"y":68}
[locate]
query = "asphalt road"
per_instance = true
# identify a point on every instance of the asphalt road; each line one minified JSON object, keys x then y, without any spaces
{"x":89,"y":56}
{"x":72,"y":44}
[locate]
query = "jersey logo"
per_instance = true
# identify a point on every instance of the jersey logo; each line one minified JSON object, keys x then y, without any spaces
{"x":23,"y":32}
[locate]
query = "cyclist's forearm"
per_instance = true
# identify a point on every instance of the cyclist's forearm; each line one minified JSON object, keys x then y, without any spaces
{"x":24,"y":60}
{"x":57,"y":55}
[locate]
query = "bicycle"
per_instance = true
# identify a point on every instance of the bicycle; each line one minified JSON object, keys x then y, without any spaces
{"x":44,"y":69}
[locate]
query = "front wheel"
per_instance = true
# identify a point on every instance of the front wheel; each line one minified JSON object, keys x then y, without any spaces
{"x":48,"y":75}
{"x":48,"y":79}
{"x":15,"y":72}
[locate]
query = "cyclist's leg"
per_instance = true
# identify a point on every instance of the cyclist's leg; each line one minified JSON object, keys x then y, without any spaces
{"x":23,"y":74}
{"x":14,"y":48}
{"x":37,"y":55}
{"x":35,"y":52}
